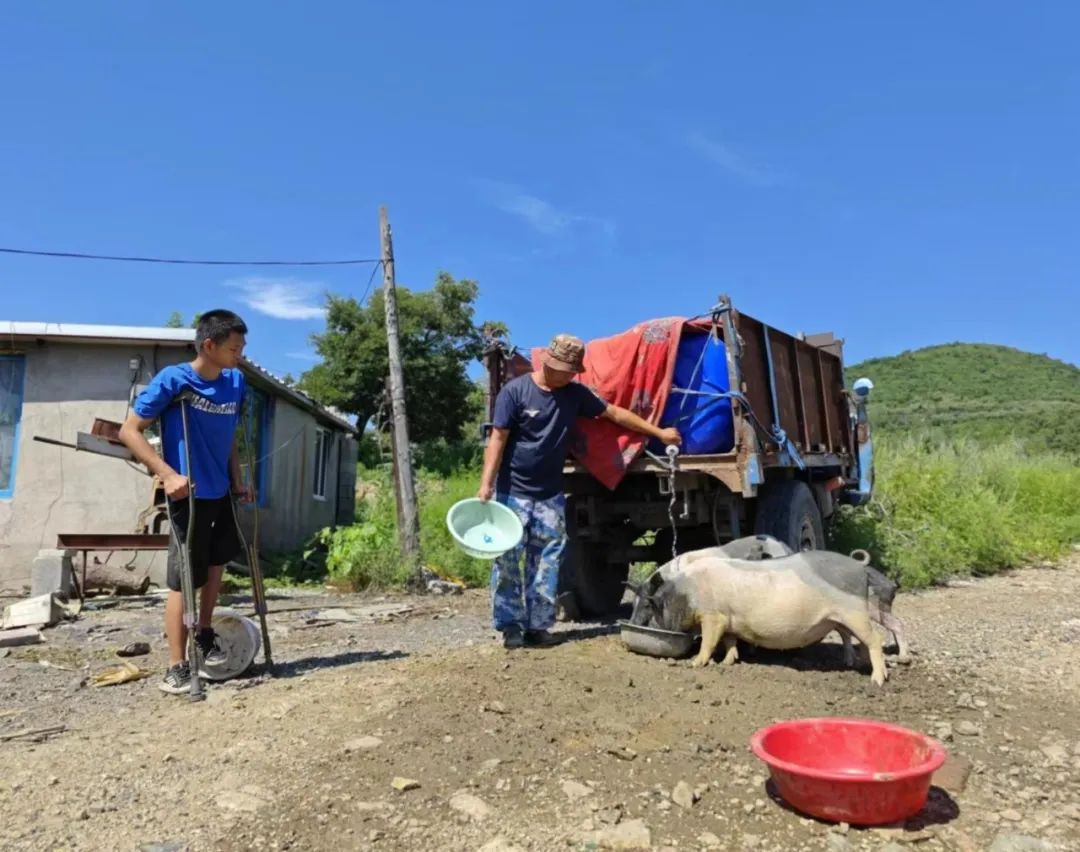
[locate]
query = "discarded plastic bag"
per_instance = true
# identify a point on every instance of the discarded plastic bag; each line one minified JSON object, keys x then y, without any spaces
{"x":124,"y":673}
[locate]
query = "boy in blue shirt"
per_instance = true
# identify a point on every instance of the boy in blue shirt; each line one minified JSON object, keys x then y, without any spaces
{"x":218,"y":386}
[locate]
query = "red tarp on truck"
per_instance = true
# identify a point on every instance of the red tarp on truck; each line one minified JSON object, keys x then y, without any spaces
{"x":632,"y":370}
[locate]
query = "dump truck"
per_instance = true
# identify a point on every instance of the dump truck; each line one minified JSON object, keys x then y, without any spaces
{"x":799,"y":446}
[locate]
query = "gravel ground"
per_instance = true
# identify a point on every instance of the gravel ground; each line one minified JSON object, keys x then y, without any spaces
{"x":579,"y":746}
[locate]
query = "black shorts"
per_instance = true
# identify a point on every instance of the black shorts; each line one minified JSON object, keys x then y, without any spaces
{"x":214,"y":540}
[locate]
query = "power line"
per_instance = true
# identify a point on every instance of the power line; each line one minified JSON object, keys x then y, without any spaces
{"x":370,"y":280}
{"x":133,"y":259}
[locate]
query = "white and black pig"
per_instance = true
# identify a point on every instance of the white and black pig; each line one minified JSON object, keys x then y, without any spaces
{"x":848,"y":574}
{"x":781,"y":603}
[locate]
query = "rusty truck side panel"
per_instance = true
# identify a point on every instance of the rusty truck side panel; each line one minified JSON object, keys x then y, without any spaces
{"x":809,"y":385}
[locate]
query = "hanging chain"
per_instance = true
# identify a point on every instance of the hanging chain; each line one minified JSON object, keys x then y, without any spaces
{"x":672,"y":454}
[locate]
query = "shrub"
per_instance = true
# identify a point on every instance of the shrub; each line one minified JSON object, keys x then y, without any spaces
{"x":367,"y":554}
{"x":946,"y":509}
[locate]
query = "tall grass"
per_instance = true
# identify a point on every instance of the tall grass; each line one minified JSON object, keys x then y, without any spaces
{"x":367,"y":554}
{"x":941,"y":510}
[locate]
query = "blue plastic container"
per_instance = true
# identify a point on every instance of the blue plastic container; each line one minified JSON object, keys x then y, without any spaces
{"x":705,"y":422}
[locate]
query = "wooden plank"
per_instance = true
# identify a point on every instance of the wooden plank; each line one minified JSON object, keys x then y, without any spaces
{"x":824,"y":402}
{"x":34,"y":733}
{"x":804,"y":420}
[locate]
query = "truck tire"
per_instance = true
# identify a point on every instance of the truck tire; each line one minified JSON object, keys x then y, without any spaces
{"x":597,"y":584}
{"x":788,"y":511}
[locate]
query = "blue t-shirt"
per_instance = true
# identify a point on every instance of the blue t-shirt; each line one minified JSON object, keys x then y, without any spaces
{"x":540,"y":423}
{"x":212,"y":418}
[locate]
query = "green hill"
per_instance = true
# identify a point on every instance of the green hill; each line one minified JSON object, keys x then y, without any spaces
{"x":980,"y":392}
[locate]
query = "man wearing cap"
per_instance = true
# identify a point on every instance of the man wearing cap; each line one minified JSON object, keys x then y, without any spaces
{"x":523,"y":469}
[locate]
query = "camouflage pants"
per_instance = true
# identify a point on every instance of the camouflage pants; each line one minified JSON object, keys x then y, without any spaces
{"x":524,"y":581}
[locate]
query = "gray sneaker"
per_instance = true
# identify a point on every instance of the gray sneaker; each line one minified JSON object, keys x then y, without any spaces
{"x":177,"y":679}
{"x":212,"y":654}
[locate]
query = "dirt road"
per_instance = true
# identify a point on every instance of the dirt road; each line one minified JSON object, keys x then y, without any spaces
{"x":580,"y":746}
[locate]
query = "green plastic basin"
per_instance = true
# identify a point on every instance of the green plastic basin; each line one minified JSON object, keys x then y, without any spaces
{"x":484,"y":530}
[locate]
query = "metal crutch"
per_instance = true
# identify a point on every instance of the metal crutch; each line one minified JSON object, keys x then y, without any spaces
{"x":187,"y":581}
{"x":258,"y":590}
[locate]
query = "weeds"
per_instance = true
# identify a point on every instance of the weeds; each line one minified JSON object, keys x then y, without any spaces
{"x":963,"y":508}
{"x":939,"y":510}
{"x":367,"y":555}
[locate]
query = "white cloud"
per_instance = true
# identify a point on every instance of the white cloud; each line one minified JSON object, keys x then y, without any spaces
{"x":541,"y":215}
{"x":302,"y":356}
{"x":734,"y":164}
{"x":281,"y":298}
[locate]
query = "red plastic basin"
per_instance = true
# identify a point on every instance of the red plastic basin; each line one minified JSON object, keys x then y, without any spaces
{"x":857,"y":771}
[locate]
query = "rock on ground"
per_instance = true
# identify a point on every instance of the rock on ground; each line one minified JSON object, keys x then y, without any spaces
{"x":575,"y":790}
{"x":472,"y":806}
{"x":633,"y":834}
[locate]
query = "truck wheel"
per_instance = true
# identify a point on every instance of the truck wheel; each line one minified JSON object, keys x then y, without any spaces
{"x":788,"y":511}
{"x":598,"y":585}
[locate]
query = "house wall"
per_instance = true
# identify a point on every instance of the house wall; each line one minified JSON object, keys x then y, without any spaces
{"x":60,"y":490}
{"x":292,"y":512}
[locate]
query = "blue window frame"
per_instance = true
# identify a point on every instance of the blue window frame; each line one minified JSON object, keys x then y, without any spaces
{"x":12,"y":380}
{"x":254,"y":430}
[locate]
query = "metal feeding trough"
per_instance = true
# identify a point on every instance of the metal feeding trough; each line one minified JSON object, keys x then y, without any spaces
{"x":655,"y":642}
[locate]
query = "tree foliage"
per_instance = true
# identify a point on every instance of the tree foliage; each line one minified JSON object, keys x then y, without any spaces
{"x":176,"y":320}
{"x":439,"y":338}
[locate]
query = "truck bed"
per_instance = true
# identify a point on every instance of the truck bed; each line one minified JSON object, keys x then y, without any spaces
{"x":791,"y":383}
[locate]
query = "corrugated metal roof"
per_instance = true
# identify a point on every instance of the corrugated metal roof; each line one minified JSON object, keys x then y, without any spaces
{"x":119,"y":334}
{"x":299,"y":397}
{"x":114,"y":333}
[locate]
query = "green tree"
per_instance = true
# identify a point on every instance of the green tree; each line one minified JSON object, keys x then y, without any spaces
{"x":439,"y":337}
{"x":175,"y":320}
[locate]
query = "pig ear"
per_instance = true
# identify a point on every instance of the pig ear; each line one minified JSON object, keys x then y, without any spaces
{"x":861,"y":555}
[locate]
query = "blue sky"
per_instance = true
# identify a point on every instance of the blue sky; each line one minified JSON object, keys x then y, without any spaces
{"x":902,"y":176}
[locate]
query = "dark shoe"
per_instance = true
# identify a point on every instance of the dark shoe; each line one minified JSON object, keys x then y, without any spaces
{"x":566,"y":607}
{"x":177,"y":679}
{"x":541,"y":638}
{"x":211,"y":652}
{"x":513,"y":639}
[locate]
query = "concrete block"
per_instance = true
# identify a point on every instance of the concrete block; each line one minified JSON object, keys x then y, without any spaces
{"x":20,"y":636}
{"x":44,"y":610}
{"x":953,"y":774}
{"x":51,"y":573}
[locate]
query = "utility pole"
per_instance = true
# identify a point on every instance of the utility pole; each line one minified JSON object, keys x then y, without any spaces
{"x":394,"y":465}
{"x":409,"y":527}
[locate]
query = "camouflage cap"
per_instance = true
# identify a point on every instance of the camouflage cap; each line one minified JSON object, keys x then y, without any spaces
{"x":566,"y":353}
